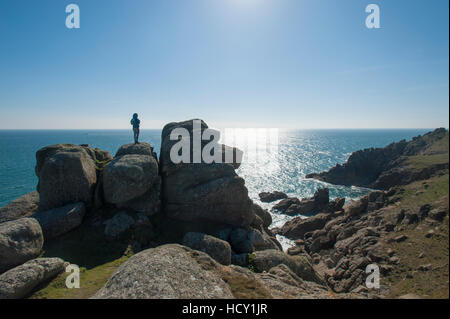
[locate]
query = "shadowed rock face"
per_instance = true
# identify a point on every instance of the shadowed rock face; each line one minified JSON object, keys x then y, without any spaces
{"x":382,"y":168}
{"x":128,"y":177}
{"x":20,"y":241}
{"x":200,"y":191}
{"x":58,"y":221}
{"x":218,"y":249}
{"x":67,"y":174}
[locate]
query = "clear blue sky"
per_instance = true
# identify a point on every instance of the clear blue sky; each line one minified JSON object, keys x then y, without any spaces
{"x":241,"y":63}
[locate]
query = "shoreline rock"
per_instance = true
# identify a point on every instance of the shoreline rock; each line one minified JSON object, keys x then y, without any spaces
{"x":266,"y":197}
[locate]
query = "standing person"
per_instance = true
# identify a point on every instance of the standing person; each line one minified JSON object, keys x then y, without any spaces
{"x":135,"y":122}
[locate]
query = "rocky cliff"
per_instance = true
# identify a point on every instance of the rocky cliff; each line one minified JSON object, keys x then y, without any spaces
{"x":160,"y":229}
{"x":395,"y":164}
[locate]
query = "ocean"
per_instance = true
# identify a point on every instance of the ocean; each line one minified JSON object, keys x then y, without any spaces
{"x":300,"y":152}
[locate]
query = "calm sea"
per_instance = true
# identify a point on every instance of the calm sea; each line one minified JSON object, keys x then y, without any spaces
{"x":300,"y":153}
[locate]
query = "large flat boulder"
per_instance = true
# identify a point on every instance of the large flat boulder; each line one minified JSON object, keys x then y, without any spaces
{"x":20,"y":241}
{"x":166,"y":272}
{"x":61,"y":220}
{"x":298,"y":227}
{"x":21,"y":207}
{"x":20,"y":281}
{"x":67,"y":174}
{"x":136,"y":149}
{"x":202,"y":191}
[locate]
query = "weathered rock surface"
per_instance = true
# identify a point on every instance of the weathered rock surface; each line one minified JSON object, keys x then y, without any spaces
{"x":58,"y":221}
{"x":136,"y":149}
{"x":23,"y":206}
{"x":218,"y":249}
{"x":20,"y":241}
{"x":166,"y":272}
{"x":343,"y":245}
{"x":20,"y":281}
{"x":67,"y":174}
{"x":193,"y":192}
{"x":298,"y":227}
{"x":267,"y":259}
{"x":267,"y":197}
{"x":128,"y":177}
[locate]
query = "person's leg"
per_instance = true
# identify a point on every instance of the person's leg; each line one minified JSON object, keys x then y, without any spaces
{"x":137,"y":135}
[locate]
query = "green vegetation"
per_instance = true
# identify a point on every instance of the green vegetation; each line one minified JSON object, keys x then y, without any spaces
{"x":90,"y":282}
{"x":243,"y":287}
{"x":96,"y":256}
{"x":424,"y":161}
{"x":419,"y":250}
{"x":416,"y":194}
{"x":251,"y":262}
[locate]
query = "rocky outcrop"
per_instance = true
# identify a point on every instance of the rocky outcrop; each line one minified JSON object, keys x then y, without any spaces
{"x":20,"y":281}
{"x":319,"y":203}
{"x":267,"y":259}
{"x":342,"y":245}
{"x":166,"y":272}
{"x":383,"y":168}
{"x":23,"y":206}
{"x":218,"y":249}
{"x":194,"y":192}
{"x":58,"y":221}
{"x":132,"y":181}
{"x":174,"y":271}
{"x":20,"y":241}
{"x":67,"y":174}
{"x":298,"y":227}
{"x":266,"y":197}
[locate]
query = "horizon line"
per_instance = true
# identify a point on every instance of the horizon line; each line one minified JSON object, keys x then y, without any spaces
{"x":143,"y":129}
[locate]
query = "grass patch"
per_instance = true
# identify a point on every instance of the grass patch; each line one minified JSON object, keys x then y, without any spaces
{"x":416,"y":194}
{"x":90,"y":282}
{"x":243,"y":287}
{"x":251,"y":262}
{"x":424,"y":161}
{"x":96,"y":256}
{"x":407,"y":278}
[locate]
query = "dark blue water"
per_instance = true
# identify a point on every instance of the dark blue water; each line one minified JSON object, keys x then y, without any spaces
{"x":300,"y":153}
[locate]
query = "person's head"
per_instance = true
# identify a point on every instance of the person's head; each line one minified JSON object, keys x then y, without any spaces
{"x":135,"y":115}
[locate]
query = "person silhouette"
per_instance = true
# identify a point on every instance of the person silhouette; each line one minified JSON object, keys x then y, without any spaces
{"x":135,"y":122}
